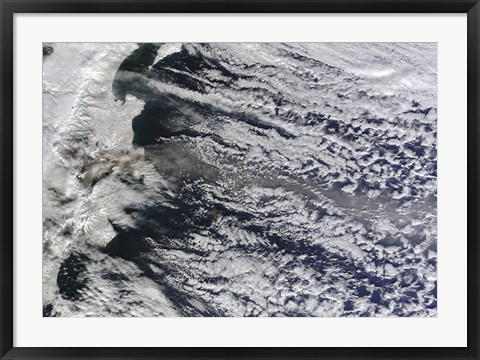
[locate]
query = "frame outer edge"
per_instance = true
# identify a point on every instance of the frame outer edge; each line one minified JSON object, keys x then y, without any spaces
{"x":242,"y":6}
{"x":473,"y":159}
{"x":6,"y":179}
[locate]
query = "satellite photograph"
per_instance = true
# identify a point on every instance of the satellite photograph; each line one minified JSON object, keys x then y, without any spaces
{"x":239,"y":180}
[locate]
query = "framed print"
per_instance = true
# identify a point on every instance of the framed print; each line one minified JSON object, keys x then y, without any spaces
{"x":244,"y":179}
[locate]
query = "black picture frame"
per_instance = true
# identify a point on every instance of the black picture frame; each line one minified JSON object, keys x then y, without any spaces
{"x":10,"y":7}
